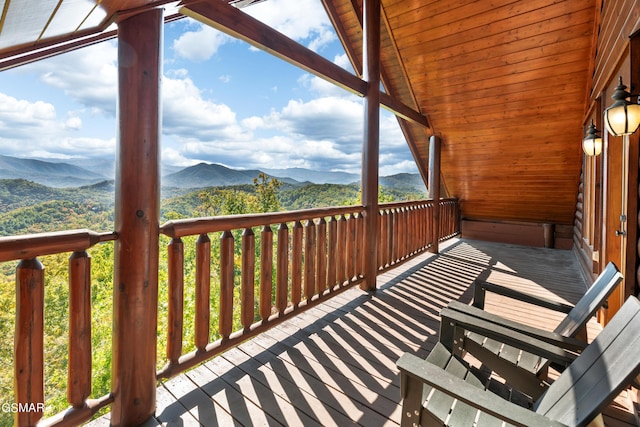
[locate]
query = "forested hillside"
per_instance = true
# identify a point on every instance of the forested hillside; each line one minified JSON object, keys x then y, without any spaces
{"x":27,"y":207}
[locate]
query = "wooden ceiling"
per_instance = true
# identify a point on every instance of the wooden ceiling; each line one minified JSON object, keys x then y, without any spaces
{"x":504,"y":83}
{"x":35,"y":29}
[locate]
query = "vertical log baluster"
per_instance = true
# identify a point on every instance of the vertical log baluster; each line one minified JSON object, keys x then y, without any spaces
{"x":266,"y":271}
{"x":361,"y":254}
{"x":309,"y":259}
{"x":332,"y":252}
{"x":423,"y":226}
{"x":175,"y":252}
{"x":402,"y":232}
{"x":341,"y":257}
{"x":381,"y":238}
{"x":431,"y":223}
{"x":282,"y":281}
{"x":247,"y":308}
{"x":347,"y":247}
{"x":203,"y":291}
{"x":296,"y":264}
{"x":397,"y":238}
{"x":411,"y":230}
{"x":29,"y":340}
{"x":350,"y":255}
{"x":79,"y":379}
{"x":225,"y":319}
{"x":390,"y":237}
{"x":321,"y":256}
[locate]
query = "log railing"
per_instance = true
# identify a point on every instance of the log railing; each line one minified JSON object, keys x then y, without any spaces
{"x":262,"y":268}
{"x":407,"y":228}
{"x":29,"y":360}
{"x":288,"y":261}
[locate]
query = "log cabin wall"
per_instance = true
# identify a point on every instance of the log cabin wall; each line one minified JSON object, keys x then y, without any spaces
{"x":595,"y":222}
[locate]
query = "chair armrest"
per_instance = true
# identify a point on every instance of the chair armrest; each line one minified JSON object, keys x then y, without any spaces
{"x":481,"y":288}
{"x":452,"y":321}
{"x":568,"y":343}
{"x":425,"y":372}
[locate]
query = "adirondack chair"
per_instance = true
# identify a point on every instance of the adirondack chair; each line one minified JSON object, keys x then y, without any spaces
{"x":525,"y":370}
{"x":443,"y":390}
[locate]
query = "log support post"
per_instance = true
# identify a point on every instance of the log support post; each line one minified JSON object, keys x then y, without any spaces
{"x":434,"y":190}
{"x":137,"y":218}
{"x":371,"y":145}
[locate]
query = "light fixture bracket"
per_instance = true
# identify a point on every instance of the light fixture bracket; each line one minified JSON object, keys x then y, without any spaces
{"x":622,"y":117}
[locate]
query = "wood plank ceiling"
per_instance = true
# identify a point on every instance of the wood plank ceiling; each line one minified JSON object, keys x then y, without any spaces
{"x":503,"y":82}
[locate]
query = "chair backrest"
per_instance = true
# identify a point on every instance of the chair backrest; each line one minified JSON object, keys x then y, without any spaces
{"x":593,"y":299}
{"x":599,"y":374}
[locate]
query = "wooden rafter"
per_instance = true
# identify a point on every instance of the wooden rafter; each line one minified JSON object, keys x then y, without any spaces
{"x":233,"y":21}
{"x":338,"y":25}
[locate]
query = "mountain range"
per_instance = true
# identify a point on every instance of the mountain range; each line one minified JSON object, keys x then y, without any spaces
{"x":73,"y":173}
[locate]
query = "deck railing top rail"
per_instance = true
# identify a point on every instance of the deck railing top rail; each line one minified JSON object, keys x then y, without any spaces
{"x":294,"y":260}
{"x":193,"y":226}
{"x":34,"y":245}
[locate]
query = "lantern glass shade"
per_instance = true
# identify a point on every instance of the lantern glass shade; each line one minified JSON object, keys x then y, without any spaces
{"x":622,"y":117}
{"x":592,"y":143}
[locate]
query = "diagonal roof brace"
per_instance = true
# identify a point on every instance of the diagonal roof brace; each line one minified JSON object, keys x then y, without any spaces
{"x":233,"y":21}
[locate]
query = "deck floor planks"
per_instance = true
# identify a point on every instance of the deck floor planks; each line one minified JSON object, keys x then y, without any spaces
{"x":334,"y":364}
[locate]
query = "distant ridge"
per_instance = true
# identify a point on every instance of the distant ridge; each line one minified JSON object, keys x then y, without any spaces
{"x":316,"y":177}
{"x":58,"y":174}
{"x":47,"y":173}
{"x":209,"y":175}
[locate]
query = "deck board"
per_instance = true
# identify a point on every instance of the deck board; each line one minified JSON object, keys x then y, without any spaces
{"x":334,"y":364}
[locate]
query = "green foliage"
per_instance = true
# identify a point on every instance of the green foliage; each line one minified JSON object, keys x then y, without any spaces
{"x":221,"y":201}
{"x":19,"y":193}
{"x":54,"y":216}
{"x":26,"y":207}
{"x":267,"y":192}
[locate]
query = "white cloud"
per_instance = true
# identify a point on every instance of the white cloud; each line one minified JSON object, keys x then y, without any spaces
{"x":300,"y":20}
{"x":21,"y":120}
{"x":87,"y":75}
{"x":173,"y":157}
{"x":73,"y":123}
{"x":200,"y":44}
{"x":187,"y":114}
{"x":323,"y":133}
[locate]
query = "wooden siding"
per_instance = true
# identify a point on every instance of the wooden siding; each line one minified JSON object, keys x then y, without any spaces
{"x":503,"y":83}
{"x":619,"y":20}
{"x":335,"y":364}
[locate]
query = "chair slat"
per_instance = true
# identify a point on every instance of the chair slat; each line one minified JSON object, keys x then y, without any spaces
{"x":608,"y":364}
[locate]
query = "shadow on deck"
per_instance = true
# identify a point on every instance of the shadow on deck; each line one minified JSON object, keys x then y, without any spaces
{"x":335,"y":364}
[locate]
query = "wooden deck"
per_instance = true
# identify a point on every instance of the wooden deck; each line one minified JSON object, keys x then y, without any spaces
{"x":335,"y":364}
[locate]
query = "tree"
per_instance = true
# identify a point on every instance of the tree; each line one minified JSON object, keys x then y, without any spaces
{"x":227,"y":202}
{"x":267,"y":192}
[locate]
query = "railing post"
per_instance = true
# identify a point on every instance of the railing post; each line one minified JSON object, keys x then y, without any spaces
{"x":79,"y":380}
{"x":176,"y":300}
{"x":137,"y":218}
{"x":371,"y":146}
{"x":434,"y":189}
{"x":29,"y":341}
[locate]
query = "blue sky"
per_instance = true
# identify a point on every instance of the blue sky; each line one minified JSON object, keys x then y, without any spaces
{"x":223,"y":102}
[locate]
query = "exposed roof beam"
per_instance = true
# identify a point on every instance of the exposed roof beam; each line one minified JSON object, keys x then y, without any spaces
{"x":402,"y":110}
{"x":66,"y":43}
{"x":233,"y":21}
{"x":338,"y":25}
